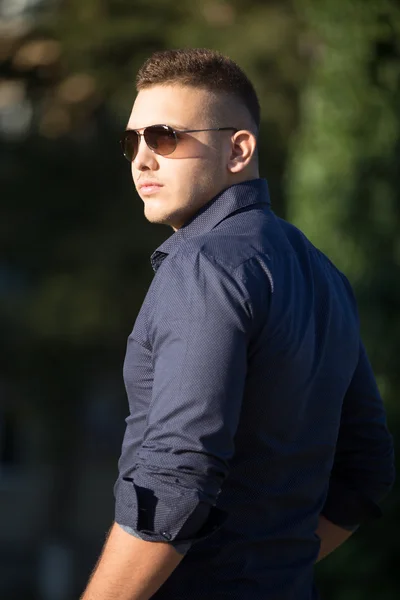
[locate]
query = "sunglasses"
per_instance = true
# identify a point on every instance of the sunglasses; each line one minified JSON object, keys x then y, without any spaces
{"x":161,"y":139}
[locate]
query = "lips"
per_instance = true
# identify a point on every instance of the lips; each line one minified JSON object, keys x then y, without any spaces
{"x":148,"y":183}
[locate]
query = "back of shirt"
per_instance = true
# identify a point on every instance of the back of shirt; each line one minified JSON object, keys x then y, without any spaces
{"x":312,"y":435}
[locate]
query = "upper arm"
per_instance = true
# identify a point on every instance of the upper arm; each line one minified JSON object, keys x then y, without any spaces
{"x":199,"y":338}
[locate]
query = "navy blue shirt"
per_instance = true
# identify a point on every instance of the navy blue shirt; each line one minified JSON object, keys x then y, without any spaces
{"x":253,"y":407}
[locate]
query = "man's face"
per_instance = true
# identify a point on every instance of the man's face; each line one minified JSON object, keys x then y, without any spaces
{"x":197,"y":170}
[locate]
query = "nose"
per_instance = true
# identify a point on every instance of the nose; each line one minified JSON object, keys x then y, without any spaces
{"x":145,"y":159}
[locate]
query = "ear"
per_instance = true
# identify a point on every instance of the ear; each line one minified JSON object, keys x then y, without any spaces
{"x":243,"y":147}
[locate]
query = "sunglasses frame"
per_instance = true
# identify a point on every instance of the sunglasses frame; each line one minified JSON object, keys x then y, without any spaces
{"x":169,"y":129}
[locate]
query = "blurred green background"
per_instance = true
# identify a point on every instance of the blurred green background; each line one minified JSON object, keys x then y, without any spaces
{"x":75,"y":247}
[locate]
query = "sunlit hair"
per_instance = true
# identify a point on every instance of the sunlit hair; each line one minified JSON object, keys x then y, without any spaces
{"x":201,"y":68}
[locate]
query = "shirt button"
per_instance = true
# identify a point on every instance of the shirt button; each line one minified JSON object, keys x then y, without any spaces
{"x":167,"y":536}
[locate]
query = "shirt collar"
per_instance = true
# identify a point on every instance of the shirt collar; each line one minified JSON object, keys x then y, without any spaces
{"x":237,"y":196}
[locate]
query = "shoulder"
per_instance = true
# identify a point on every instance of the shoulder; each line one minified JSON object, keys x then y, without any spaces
{"x":222,"y":252}
{"x":222,"y":264}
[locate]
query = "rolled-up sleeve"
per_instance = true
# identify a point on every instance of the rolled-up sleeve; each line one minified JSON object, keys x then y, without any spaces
{"x":363,"y":471}
{"x":199,"y":328}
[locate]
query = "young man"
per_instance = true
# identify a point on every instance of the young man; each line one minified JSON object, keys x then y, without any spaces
{"x":256,"y":441}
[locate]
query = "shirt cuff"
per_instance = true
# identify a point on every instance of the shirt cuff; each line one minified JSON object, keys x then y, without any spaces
{"x":177,"y":516}
{"x":348,"y":508}
{"x":181,"y":547}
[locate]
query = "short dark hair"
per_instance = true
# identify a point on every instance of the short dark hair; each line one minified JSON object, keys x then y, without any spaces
{"x":203,"y":68}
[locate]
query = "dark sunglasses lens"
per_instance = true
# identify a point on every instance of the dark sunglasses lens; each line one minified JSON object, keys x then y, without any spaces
{"x":130,"y":144}
{"x":161,"y":139}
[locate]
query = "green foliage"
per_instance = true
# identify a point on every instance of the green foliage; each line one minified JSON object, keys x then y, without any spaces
{"x":344,"y":180}
{"x":343,"y":189}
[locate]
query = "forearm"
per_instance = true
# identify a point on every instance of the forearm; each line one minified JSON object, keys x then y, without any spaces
{"x":331,"y":535}
{"x":130,"y":568}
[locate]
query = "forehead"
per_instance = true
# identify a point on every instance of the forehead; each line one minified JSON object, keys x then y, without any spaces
{"x":177,"y":105}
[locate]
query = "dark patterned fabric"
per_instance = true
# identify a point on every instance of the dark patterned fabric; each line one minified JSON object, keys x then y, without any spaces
{"x":253,"y":407}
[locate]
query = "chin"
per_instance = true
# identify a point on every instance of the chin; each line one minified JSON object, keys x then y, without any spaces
{"x":175,"y":218}
{"x":156,"y":217}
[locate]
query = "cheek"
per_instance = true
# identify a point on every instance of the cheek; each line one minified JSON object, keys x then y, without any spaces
{"x":184,"y":174}
{"x":193,"y":179}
